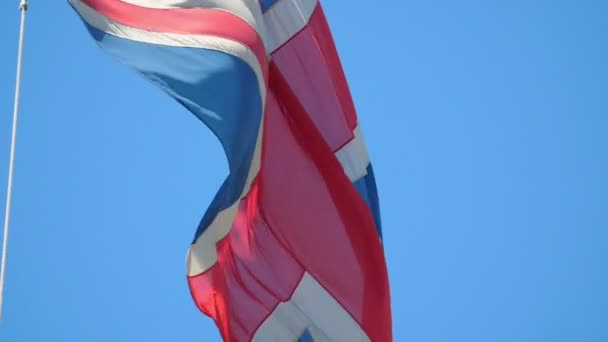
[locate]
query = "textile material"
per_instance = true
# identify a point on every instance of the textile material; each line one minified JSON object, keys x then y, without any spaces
{"x":290,"y":247}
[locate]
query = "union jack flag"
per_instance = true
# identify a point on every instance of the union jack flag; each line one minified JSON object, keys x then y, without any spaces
{"x":290,"y":248}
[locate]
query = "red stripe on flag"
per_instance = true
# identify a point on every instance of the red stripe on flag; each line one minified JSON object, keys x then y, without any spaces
{"x":189,"y":21}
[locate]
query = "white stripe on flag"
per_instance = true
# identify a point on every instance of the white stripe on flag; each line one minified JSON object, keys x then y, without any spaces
{"x":248,"y":10}
{"x":285,"y":19}
{"x":354,"y":157}
{"x":203,"y":253}
{"x":310,"y":308}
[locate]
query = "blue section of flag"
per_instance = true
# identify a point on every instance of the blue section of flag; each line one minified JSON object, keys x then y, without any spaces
{"x":266,"y":4}
{"x":220,"y":89}
{"x":366,"y":187}
{"x":306,"y":337}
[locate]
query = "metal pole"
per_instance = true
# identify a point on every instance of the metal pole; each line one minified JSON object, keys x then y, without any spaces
{"x":23,"y":5}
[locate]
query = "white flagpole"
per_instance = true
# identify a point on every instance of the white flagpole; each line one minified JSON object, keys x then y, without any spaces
{"x":23,"y":5}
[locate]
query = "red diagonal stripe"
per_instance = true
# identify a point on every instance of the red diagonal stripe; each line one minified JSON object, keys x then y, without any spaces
{"x":190,"y":21}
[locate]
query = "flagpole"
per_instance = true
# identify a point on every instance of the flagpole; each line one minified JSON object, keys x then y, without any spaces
{"x":23,"y":6}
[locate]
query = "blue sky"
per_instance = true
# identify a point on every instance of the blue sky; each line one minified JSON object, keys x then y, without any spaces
{"x":486,"y":122}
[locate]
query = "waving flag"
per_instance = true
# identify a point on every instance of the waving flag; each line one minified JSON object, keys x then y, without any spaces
{"x":290,"y":247}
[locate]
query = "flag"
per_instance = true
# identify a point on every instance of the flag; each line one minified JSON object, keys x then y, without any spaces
{"x":290,"y":248}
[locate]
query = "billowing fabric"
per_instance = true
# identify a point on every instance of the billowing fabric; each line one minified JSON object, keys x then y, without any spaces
{"x":290,"y":247}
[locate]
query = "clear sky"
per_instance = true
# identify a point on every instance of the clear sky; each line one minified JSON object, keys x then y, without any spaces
{"x":486,"y":121}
